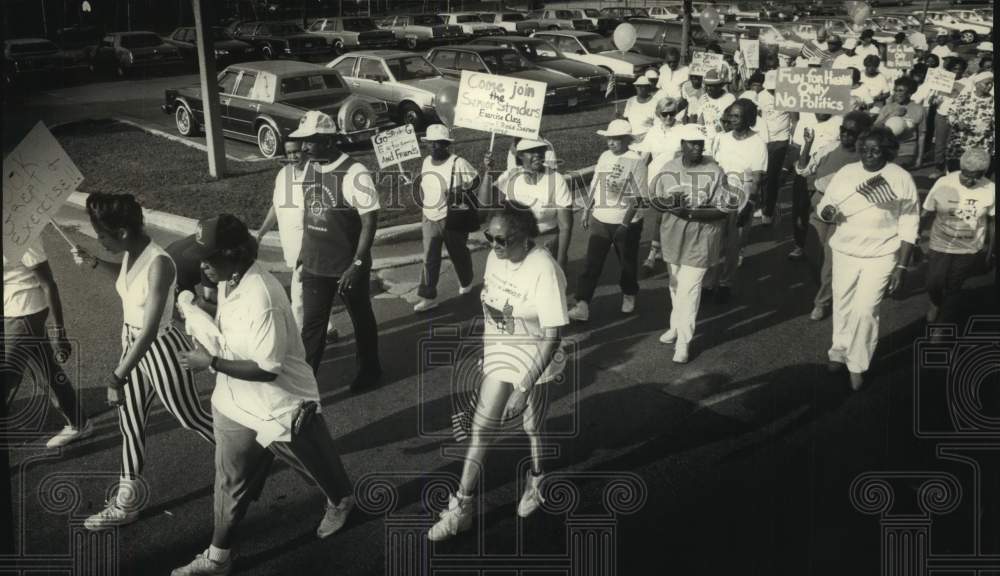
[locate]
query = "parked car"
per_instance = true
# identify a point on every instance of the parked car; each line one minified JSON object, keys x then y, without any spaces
{"x":125,"y":52}
{"x":664,"y":13}
{"x":406,"y":81}
{"x":262,"y":103}
{"x":653,"y":37}
{"x":226,"y":48}
{"x":355,"y":33}
{"x":78,"y":44}
{"x":560,"y":20}
{"x":772,"y":38}
{"x":735,"y":11}
{"x":543,"y":54}
{"x":591,"y":14}
{"x":973,"y":16}
{"x":562,"y":89}
{"x":416,"y":30}
{"x":29,"y":57}
{"x":471,"y":24}
{"x":969,"y":32}
{"x":282,"y":40}
{"x":624,"y":13}
{"x":600,"y":51}
{"x":514,"y":22}
{"x":778,"y":11}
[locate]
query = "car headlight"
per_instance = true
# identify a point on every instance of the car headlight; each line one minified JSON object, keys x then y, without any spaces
{"x":221,"y":52}
{"x":550,"y":93}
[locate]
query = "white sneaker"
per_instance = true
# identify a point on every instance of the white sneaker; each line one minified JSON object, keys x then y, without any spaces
{"x":457,"y":518}
{"x":681,"y":353}
{"x":335,"y":517}
{"x":70,"y":434}
{"x":113,"y":515}
{"x":203,"y":565}
{"x":425,"y":304}
{"x":463,"y":290}
{"x":580,"y":312}
{"x":739,"y":259}
{"x":817,"y":314}
{"x":669,"y":337}
{"x":532,"y":497}
{"x":628,"y":304}
{"x":758,"y":213}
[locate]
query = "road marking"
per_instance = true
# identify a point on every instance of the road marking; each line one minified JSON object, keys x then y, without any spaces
{"x":723,"y":315}
{"x":751,"y":319}
{"x":727,"y":395}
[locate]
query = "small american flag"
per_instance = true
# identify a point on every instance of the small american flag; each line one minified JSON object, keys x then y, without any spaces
{"x":610,"y":87}
{"x":877,"y":191}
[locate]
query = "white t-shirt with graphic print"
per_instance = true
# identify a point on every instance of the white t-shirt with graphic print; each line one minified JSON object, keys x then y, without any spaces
{"x":960,"y":224}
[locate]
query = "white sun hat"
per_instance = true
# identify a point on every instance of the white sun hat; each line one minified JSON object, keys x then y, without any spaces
{"x":617,"y":127}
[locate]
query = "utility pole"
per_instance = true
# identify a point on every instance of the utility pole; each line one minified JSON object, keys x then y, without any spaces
{"x":923,"y":17}
{"x":685,"y":29}
{"x":209,"y":95}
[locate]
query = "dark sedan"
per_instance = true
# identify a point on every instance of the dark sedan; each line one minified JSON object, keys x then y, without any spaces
{"x":126,"y":52}
{"x":226,"y":49}
{"x":262,"y":103}
{"x":29,"y":57}
{"x":544,"y":55}
{"x":562,"y":89}
{"x":278,"y":40}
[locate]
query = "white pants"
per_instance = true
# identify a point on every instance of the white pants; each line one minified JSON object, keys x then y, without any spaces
{"x":296,"y":296}
{"x":685,"y":297}
{"x":858,"y":287}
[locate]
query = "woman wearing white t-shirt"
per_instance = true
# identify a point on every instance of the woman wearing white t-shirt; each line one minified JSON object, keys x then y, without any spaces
{"x":541,"y":188}
{"x":874,"y":204}
{"x":265,"y":401}
{"x":659,"y":147}
{"x":448,"y":214}
{"x":640,"y":110}
{"x":524,"y":307}
{"x":613,"y":219}
{"x":151,"y":345}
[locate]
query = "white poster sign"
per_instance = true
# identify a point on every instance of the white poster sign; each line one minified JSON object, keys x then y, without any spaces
{"x":500,"y":104}
{"x":396,"y":146}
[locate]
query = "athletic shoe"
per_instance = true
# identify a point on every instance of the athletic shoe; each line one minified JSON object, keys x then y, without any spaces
{"x":425,"y":304}
{"x":818,"y":313}
{"x":857,"y":381}
{"x":628,"y":304}
{"x":457,"y":518}
{"x":532,"y":497}
{"x":681,"y":353}
{"x":580,"y":312}
{"x":669,"y":337}
{"x":70,"y":434}
{"x":202,"y":565}
{"x":797,"y":253}
{"x":758,"y":213}
{"x":335,"y":517}
{"x":113,"y":515}
{"x":463,"y":290}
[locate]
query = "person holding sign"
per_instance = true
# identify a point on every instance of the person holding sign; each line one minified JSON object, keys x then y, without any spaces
{"x":775,"y":127}
{"x":913,"y":115}
{"x":874,"y":206}
{"x":640,"y":109}
{"x":941,"y":104}
{"x":973,"y":121}
{"x":446,"y":183}
{"x":150,"y":363}
{"x":613,"y":218}
{"x":30,"y":295}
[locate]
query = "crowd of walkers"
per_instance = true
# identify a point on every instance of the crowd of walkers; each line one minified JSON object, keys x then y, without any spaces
{"x":698,"y":159}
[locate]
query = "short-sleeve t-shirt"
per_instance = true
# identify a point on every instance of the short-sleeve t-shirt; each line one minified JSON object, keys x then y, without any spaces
{"x":519,"y":302}
{"x":22,"y":292}
{"x":288,"y":208}
{"x":257,"y":324}
{"x":962,"y":212}
{"x":640,"y":115}
{"x":545,"y":196}
{"x":692,"y":242}
{"x":617,"y":178}
{"x":711,"y":110}
{"x":739,"y":159}
{"x":435,"y":180}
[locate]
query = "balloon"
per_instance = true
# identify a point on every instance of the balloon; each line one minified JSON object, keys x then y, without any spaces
{"x":861,"y":14}
{"x":624,"y":37}
{"x":709,"y":19}
{"x":444,"y":104}
{"x":897,"y":125}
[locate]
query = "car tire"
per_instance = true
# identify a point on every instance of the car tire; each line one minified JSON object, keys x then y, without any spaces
{"x":267,"y":52}
{"x":268,"y":140}
{"x":409,"y":113}
{"x":338,"y":48}
{"x":969,"y":37}
{"x":355,"y":114}
{"x":184,"y":120}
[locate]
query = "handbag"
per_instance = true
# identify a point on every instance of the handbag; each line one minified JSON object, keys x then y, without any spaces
{"x":463,"y":212}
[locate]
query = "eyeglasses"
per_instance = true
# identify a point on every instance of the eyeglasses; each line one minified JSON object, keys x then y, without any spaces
{"x":500,"y":241}
{"x":667,"y":114}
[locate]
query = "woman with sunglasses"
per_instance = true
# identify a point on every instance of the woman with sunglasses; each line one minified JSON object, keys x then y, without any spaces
{"x":524,"y":307}
{"x":660,"y":146}
{"x":150,"y":364}
{"x":874,"y":206}
{"x":541,"y":189}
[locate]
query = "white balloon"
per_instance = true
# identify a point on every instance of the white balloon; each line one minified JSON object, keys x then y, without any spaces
{"x":624,"y":37}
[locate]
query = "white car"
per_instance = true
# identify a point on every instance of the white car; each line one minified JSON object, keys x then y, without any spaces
{"x":472,"y":24}
{"x":662,"y":13}
{"x":595,"y":49}
{"x":512,"y":22}
{"x":970,"y":31}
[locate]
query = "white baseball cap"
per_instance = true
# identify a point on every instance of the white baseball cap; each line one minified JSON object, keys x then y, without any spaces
{"x":529,"y":144}
{"x":689,"y":132}
{"x":617,"y":127}
{"x":652,"y":74}
{"x":313,"y":123}
{"x":851,"y":43}
{"x":642,"y":81}
{"x":437,"y":133}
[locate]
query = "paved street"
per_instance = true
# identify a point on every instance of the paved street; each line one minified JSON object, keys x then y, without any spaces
{"x":740,"y":462}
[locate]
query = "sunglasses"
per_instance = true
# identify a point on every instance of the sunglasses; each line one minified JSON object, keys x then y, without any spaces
{"x":500,"y":241}
{"x":668,"y":114}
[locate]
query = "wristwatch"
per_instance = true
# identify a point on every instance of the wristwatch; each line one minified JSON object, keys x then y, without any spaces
{"x":211,"y":365}
{"x":358,"y":262}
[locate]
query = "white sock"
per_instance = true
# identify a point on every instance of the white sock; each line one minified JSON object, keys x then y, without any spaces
{"x":128,"y":494}
{"x":220,"y":555}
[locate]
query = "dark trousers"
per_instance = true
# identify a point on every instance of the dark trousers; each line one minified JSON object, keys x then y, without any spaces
{"x":776,"y":152}
{"x":26,"y":349}
{"x":626,"y":243}
{"x":946,"y":273}
{"x":801,"y":208}
{"x":318,"y":293}
{"x":435,"y":235}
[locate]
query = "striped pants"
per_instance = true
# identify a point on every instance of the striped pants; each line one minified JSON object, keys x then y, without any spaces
{"x":159,"y":371}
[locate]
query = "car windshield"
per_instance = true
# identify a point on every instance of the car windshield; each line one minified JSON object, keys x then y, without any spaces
{"x":140,"y":41}
{"x":513,"y":17}
{"x":282,"y":29}
{"x":40,"y":46}
{"x":597,"y":44}
{"x":412,"y":68}
{"x":467,"y":18}
{"x":220,"y":34}
{"x":487,"y":17}
{"x":591,"y":13}
{"x":293,"y":85}
{"x":506,"y":62}
{"x":427,"y":20}
{"x":359,"y":24}
{"x":538,"y":51}
{"x":640,"y":12}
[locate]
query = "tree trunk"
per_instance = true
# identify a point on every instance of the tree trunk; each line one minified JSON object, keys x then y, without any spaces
{"x":685,"y":29}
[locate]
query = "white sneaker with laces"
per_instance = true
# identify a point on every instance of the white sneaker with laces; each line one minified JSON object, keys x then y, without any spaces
{"x":681,"y":353}
{"x":113,"y":515}
{"x":628,"y":304}
{"x":532,"y":497}
{"x":580,"y":312}
{"x":817,"y":314}
{"x":669,"y":337}
{"x":425,"y":304}
{"x":70,"y":434}
{"x":463,"y":290}
{"x":202,"y":565}
{"x":457,"y":518}
{"x":335,"y":517}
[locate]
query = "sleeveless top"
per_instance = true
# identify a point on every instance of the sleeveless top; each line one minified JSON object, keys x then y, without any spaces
{"x":332,"y":226}
{"x":133,"y":288}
